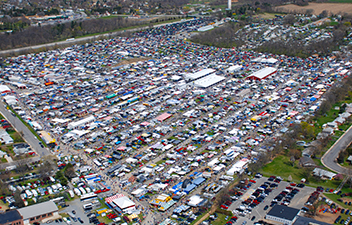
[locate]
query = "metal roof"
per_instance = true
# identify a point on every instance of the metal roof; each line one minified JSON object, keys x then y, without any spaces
{"x":38,"y":209}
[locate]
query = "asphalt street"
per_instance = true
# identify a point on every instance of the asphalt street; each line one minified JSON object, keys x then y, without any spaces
{"x":259,"y":212}
{"x":76,"y":205}
{"x":26,"y":133}
{"x":329,"y":158}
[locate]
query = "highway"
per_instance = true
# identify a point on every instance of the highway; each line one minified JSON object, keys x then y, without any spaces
{"x":329,"y":158}
{"x":26,"y":133}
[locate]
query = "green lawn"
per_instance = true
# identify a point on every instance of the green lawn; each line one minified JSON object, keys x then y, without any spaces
{"x":281,"y":166}
{"x":198,"y":218}
{"x":334,"y":198}
{"x":160,"y":162}
{"x":220,"y":220}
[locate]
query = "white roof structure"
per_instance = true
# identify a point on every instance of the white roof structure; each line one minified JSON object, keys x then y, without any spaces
{"x":213,"y":162}
{"x":234,"y":68}
{"x":205,"y":28}
{"x":263,"y":73}
{"x":265,"y":60}
{"x":270,"y":60}
{"x":323,"y":173}
{"x":208,"y":81}
{"x":59,"y":120}
{"x":38,"y":209}
{"x":195,"y":200}
{"x":176,"y":78}
{"x":123,"y":203}
{"x":199,"y":74}
{"x":11,"y":100}
{"x":4,"y":89}
{"x":79,"y":123}
{"x":237,"y":167}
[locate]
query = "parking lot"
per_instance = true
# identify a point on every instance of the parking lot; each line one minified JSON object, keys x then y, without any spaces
{"x":146,"y":115}
{"x":297,"y":202}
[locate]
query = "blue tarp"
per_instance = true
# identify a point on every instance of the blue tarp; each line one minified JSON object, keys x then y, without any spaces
{"x":198,"y":181}
{"x":189,"y":188}
{"x":177,"y":186}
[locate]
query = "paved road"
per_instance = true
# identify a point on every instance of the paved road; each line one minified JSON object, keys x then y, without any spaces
{"x":77,"y":206}
{"x":329,"y":158}
{"x":27,"y":134}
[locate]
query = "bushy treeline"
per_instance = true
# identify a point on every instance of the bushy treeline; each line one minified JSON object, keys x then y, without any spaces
{"x":50,"y":33}
{"x":223,"y":37}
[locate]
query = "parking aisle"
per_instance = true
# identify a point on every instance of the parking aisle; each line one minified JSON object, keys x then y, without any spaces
{"x":259,"y":212}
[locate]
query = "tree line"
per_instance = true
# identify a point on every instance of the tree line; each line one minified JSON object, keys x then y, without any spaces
{"x":223,"y":37}
{"x":50,"y":33}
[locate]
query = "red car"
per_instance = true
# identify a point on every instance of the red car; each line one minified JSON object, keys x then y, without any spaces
{"x":224,"y":206}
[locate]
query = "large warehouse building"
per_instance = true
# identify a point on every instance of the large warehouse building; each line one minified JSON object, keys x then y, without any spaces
{"x":208,"y":81}
{"x":262,"y":74}
{"x":199,"y":74}
{"x":282,"y":214}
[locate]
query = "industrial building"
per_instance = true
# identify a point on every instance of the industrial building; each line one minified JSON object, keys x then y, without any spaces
{"x":39,"y":212}
{"x":208,"y":81}
{"x":199,"y":74}
{"x":262,"y":74}
{"x":282,"y":214}
{"x":11,"y":217}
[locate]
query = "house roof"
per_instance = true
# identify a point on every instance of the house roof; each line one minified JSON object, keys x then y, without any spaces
{"x":9,"y":216}
{"x":306,"y":161}
{"x":38,"y":209}
{"x":283,"y":212}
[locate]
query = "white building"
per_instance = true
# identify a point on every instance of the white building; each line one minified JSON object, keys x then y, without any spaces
{"x":199,"y":74}
{"x":77,"y":124}
{"x":39,"y":212}
{"x":208,"y":81}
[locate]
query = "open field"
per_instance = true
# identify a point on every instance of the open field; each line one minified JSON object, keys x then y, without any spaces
{"x":269,"y":15}
{"x":317,"y":8}
{"x":341,"y":1}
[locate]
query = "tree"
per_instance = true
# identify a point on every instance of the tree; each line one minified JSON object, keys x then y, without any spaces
{"x":324,"y":14}
{"x":70,"y":171}
{"x":46,"y":169}
{"x":289,"y":19}
{"x":59,"y":175}
{"x":18,"y":200}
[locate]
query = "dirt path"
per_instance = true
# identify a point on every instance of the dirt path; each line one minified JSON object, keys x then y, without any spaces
{"x":206,"y":215}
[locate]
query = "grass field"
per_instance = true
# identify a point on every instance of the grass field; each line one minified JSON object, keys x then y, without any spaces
{"x":270,"y":15}
{"x":220,"y":220}
{"x":334,"y":198}
{"x":282,"y":166}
